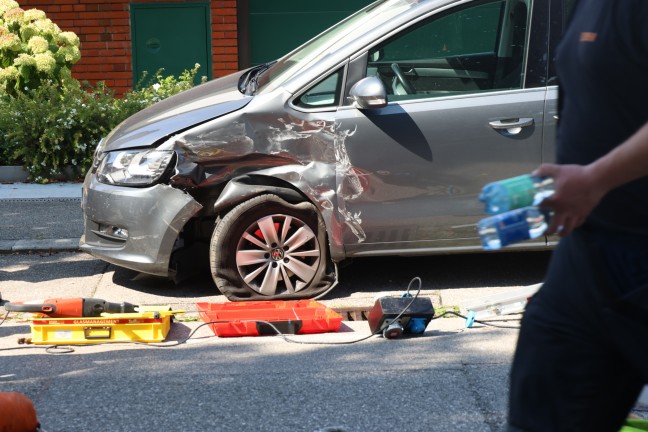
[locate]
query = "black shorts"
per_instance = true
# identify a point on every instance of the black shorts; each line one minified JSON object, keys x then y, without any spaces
{"x":582,"y":354}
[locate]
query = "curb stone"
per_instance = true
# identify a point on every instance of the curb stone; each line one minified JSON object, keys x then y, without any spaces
{"x":45,"y":245}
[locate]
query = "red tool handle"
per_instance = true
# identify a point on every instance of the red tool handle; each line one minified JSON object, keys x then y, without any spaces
{"x":54,"y":308}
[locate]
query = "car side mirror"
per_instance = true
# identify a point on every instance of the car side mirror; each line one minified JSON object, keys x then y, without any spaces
{"x":368,"y":93}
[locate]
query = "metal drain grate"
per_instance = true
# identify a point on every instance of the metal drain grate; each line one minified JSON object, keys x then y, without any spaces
{"x":353,"y":313}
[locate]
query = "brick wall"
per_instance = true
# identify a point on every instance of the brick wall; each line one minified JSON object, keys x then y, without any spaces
{"x":225,"y":51}
{"x":104,"y":30}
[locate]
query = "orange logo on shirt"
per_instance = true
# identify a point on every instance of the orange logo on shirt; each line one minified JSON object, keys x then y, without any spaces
{"x":588,"y":37}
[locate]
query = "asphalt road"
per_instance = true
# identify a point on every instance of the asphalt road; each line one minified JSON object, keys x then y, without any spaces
{"x":449,"y":379}
{"x":42,"y":218}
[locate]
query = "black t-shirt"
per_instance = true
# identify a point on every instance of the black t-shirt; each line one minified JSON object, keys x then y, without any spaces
{"x":602,"y":64}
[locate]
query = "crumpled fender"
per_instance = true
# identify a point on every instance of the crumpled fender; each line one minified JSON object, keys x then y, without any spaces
{"x":243,"y":188}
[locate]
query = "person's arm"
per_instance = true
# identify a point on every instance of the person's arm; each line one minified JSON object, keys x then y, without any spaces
{"x":578,"y":189}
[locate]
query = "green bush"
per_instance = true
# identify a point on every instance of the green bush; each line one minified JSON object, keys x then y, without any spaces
{"x":150,"y":90}
{"x":47,"y":130}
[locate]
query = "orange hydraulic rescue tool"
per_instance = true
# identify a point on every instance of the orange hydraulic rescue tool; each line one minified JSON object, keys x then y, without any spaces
{"x":71,"y":307}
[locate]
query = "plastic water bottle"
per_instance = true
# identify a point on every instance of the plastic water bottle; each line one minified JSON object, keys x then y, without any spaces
{"x":511,"y":227}
{"x":516,"y":192}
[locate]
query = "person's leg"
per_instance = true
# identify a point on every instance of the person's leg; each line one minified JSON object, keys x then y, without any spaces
{"x":566,"y":375}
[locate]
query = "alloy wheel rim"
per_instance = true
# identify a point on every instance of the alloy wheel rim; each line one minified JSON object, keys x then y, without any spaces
{"x":278,"y":254}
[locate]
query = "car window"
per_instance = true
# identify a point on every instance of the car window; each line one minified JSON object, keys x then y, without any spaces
{"x":326,"y":93}
{"x":471,"y":48}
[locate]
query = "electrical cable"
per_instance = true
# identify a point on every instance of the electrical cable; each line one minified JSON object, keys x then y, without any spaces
{"x":486,"y":323}
{"x":333,"y":285}
{"x":287,"y":339}
{"x":59,"y":349}
{"x":377,"y":332}
{"x":407,"y":294}
{"x":66,"y":349}
{"x":4,"y":318}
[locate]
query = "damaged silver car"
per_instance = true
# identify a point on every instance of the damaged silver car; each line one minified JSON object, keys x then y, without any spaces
{"x":373,"y":138}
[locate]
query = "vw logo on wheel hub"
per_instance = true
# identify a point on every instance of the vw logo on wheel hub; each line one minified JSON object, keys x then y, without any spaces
{"x":277,"y":254}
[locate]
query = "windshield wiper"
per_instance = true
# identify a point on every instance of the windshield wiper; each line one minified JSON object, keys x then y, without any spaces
{"x":249,"y":82}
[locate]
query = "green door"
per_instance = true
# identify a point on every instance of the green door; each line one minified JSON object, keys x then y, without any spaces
{"x":275,"y":27}
{"x":170,"y":36}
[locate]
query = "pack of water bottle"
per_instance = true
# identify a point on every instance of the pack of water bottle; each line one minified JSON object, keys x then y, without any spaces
{"x":514,"y":203}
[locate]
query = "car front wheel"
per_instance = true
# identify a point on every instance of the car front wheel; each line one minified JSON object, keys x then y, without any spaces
{"x":267,"y":248}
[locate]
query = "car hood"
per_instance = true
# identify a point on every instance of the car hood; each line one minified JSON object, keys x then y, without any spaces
{"x":176,"y":113}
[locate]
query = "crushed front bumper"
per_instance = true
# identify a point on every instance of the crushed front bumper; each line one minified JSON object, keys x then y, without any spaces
{"x":134,"y":228}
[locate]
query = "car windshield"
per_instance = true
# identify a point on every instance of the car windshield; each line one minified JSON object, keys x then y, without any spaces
{"x":330,"y":40}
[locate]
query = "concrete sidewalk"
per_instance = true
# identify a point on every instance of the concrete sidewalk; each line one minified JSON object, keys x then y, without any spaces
{"x":12,"y":191}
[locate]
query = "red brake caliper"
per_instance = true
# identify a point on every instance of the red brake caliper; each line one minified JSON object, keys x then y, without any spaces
{"x":260,"y":235}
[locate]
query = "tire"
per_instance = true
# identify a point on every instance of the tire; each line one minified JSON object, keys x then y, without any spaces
{"x":268,"y":249}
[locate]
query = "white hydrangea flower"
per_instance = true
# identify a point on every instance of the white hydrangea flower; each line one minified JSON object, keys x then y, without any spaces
{"x":8,"y":73}
{"x":69,"y":54}
{"x":6,"y":5}
{"x":14,"y":15}
{"x":38,"y":44}
{"x":34,"y":14}
{"x":10,"y":41}
{"x":46,"y":27}
{"x":69,"y":38}
{"x":45,"y":62}
{"x":25,"y":60}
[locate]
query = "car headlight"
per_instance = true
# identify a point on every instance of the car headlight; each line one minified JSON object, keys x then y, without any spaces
{"x":133,"y":167}
{"x":98,"y":154}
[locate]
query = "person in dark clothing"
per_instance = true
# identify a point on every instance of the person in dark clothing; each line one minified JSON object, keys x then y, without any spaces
{"x":582,"y":356}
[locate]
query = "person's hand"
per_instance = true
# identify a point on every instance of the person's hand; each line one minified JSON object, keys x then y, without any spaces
{"x":577,"y":192}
